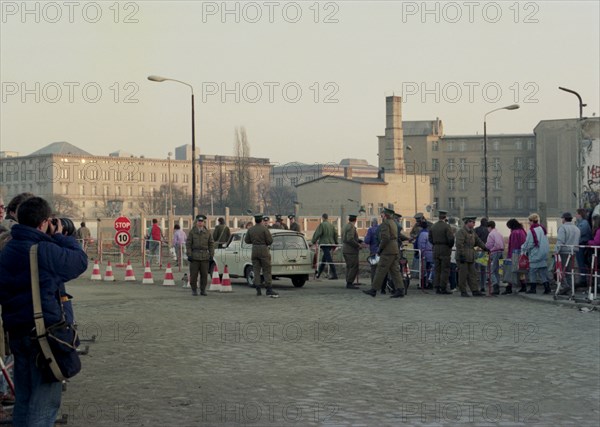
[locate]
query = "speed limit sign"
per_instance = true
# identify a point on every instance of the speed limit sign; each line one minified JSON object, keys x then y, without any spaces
{"x":122,"y":238}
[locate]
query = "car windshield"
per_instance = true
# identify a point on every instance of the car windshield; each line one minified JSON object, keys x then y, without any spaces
{"x":288,"y":241}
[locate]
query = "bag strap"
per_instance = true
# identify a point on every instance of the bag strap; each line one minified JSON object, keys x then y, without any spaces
{"x":38,"y":314}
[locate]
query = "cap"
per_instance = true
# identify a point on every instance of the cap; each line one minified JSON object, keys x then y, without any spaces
{"x":419,"y":215}
{"x":258,"y":217}
{"x":388,"y":211}
{"x":291,"y":216}
{"x":200,"y":218}
{"x":352,"y":217}
{"x":278,"y":217}
{"x":442,"y":212}
{"x":469,"y":219}
{"x":266,"y":218}
{"x":397,"y":215}
{"x":567,"y":216}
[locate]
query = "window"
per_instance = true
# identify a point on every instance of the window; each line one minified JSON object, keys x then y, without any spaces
{"x":105,"y":190}
{"x":518,"y":163}
{"x":450,"y":146}
{"x":118,"y":176}
{"x":462,"y":146}
{"x":141,"y":191}
{"x":451,"y":203}
{"x":496,"y":145}
{"x":435,"y":164}
{"x":519,"y":184}
{"x":186,"y":178}
{"x":462,"y":165}
{"x":152,"y":177}
{"x":497,"y":184}
{"x":142,"y":176}
{"x":82,"y":190}
{"x":531,"y":164}
{"x":518,"y":145}
{"x":451,"y":184}
{"x":117,"y":191}
{"x":496,"y":164}
{"x":463,"y":184}
{"x":106,"y":175}
{"x":532,"y":203}
{"x":294,"y":180}
{"x":434,"y":182}
{"x":164,"y":177}
{"x":530,"y":145}
{"x":531,"y":184}
{"x":94,"y":191}
{"x":174,"y":177}
{"x":278,"y":182}
{"x":65,"y":189}
{"x":463,"y":202}
{"x":64,"y":173}
{"x":496,"y":202}
{"x":435,"y":145}
{"x":519,"y":203}
{"x":130,"y":191}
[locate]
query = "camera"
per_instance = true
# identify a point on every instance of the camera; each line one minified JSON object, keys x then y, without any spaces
{"x":68,"y":227}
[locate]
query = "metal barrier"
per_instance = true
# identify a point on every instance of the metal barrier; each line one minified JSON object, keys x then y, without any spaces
{"x":588,"y":274}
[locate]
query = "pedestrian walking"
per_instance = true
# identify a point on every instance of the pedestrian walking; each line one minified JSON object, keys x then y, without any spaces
{"x":372,"y":240}
{"x":326,"y":236}
{"x":515,"y":241}
{"x":482,"y":232}
{"x":179,"y":239}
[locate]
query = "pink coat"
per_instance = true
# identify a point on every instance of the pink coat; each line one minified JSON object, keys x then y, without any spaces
{"x":596,"y":240}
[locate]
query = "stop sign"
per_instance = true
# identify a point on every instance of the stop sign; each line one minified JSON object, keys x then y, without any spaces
{"x":122,"y":224}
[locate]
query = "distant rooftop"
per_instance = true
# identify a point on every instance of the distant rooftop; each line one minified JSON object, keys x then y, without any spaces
{"x":61,"y":148}
{"x":422,"y":127}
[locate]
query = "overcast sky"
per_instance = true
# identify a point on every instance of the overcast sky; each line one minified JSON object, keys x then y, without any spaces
{"x":306,"y":91}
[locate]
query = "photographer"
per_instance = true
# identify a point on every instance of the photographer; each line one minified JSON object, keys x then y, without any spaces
{"x":60,"y":259}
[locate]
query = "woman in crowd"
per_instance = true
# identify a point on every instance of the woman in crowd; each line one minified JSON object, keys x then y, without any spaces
{"x":537,"y":248}
{"x":515,"y":241}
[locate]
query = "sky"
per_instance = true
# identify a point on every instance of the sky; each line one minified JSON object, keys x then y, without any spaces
{"x":307,"y":80}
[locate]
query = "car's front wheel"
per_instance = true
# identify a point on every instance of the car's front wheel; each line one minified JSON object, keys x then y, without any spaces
{"x":249,"y":275}
{"x":299,"y":281}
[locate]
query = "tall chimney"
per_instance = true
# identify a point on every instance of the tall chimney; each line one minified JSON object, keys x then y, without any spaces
{"x":391,"y":147}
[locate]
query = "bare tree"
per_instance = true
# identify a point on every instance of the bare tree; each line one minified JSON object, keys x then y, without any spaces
{"x":63,"y":206}
{"x":282,"y":199}
{"x":240,"y":193}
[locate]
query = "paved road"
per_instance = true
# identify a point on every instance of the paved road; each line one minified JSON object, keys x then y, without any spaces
{"x":324,"y":355}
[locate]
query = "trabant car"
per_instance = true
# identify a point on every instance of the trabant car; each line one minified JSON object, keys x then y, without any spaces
{"x":291,"y":257}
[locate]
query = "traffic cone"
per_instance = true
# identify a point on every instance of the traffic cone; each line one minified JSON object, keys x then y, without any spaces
{"x":226,"y":283}
{"x":108,"y":274}
{"x":96,"y":271}
{"x":147,"y":280}
{"x":169,"y":280}
{"x":129,"y":277}
{"x":185,"y":281}
{"x":215,"y":284}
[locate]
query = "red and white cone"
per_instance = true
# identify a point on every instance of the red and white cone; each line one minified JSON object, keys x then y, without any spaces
{"x":226,"y":283}
{"x":215,"y":284}
{"x":147,"y":280}
{"x":129,"y":276}
{"x":108,"y":274}
{"x":169,"y":279}
{"x":96,"y":271}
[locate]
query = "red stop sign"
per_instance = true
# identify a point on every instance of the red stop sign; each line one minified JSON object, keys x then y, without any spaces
{"x":122,"y":224}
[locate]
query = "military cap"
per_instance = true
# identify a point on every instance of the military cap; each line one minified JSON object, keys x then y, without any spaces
{"x":388,"y":211}
{"x":397,"y":215}
{"x":419,"y":215}
{"x":278,"y":217}
{"x":258,"y":217}
{"x":266,"y":218}
{"x":352,"y":217}
{"x":291,"y":216}
{"x":442,"y":212}
{"x":469,"y":219}
{"x":200,"y":218}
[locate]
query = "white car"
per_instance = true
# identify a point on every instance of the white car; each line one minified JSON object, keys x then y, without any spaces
{"x":290,"y":257}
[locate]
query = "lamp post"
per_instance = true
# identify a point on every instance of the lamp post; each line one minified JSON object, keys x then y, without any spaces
{"x":485,"y":173}
{"x":409,"y":147}
{"x":163,"y":79}
{"x":579,"y":151}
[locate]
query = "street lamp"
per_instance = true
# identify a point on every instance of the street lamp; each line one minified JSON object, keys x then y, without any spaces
{"x":409,"y":147}
{"x":579,"y":150}
{"x":485,"y":172}
{"x":163,"y":79}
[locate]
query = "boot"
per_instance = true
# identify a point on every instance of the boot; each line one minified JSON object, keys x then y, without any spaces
{"x":194,"y":292}
{"x":398,"y":293}
{"x":532,"y":287}
{"x":371,"y":292}
{"x":508,"y":290}
{"x":523,"y":287}
{"x":547,"y":289}
{"x":271,"y":293}
{"x":258,"y":291}
{"x":464,"y":294}
{"x":351,"y":286}
{"x":496,"y":290}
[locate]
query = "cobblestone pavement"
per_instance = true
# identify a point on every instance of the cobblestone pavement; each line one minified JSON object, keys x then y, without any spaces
{"x":324,"y":355}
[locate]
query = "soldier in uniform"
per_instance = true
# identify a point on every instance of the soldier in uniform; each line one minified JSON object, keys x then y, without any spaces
{"x":441,"y":237}
{"x":279,"y":224}
{"x":265,"y":221}
{"x":326,"y":235}
{"x":294,"y":226}
{"x":200,"y":249}
{"x":260,"y":238}
{"x":466,"y":241}
{"x":221,"y":234}
{"x":389,"y":256}
{"x":352,"y":245}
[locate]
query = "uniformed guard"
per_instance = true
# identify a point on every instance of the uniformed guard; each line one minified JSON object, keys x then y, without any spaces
{"x":389,"y":256}
{"x":350,"y":250}
{"x":466,"y":241}
{"x":265,"y":221}
{"x":260,"y":238}
{"x":200,"y":249}
{"x":441,"y":237}
{"x":279,"y":224}
{"x":294,"y":226}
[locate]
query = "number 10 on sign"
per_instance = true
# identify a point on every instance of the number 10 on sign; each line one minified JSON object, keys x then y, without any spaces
{"x":122,"y":238}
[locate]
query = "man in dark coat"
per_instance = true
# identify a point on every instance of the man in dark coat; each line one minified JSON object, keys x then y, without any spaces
{"x":441,"y":237}
{"x":350,"y":250}
{"x":200,"y":250}
{"x":260,"y":238}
